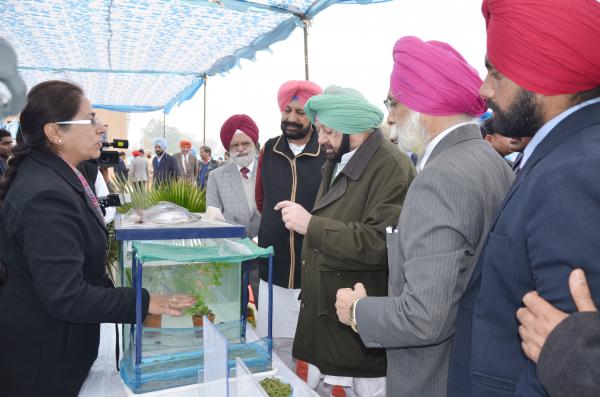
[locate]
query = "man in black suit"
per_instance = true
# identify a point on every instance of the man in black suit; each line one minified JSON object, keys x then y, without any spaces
{"x":164,"y":166}
{"x":543,"y":81}
{"x":6,"y":144}
{"x":565,"y":347}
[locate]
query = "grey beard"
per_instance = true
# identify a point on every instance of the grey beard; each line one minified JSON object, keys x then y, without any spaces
{"x":243,"y":161}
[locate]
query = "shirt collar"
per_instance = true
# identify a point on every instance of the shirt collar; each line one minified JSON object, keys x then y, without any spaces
{"x":343,"y":161}
{"x":295,"y":148}
{"x":345,"y":158}
{"x":434,"y":142}
{"x":249,"y":166}
{"x":549,"y":126}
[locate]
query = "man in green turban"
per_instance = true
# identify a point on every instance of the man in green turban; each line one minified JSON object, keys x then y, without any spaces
{"x":364,"y":182}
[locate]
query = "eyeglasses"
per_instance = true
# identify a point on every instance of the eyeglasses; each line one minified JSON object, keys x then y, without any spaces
{"x":234,"y":146}
{"x":92,"y":122}
{"x":390,"y":104}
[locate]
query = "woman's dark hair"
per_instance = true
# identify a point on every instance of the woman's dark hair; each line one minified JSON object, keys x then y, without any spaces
{"x":47,"y":102}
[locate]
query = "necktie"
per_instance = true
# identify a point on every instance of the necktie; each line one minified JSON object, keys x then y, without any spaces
{"x":244,"y":171}
{"x":88,"y":191}
{"x":517,"y":163}
{"x":184,"y":162}
{"x":414,"y":158}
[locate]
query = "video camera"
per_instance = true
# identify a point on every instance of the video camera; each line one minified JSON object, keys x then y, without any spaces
{"x":112,"y":200}
{"x":110,"y":158}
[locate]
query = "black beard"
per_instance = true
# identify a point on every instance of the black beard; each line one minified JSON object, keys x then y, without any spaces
{"x":301,"y":133}
{"x":159,"y":153}
{"x":336,"y":156}
{"x":522,"y":119}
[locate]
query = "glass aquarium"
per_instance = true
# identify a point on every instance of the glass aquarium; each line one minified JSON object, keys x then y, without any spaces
{"x":203,"y":259}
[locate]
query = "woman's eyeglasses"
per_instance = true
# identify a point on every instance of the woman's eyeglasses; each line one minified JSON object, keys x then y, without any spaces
{"x":92,"y":122}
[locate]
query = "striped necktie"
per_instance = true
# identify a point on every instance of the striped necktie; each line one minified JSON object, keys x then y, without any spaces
{"x":517,"y":163}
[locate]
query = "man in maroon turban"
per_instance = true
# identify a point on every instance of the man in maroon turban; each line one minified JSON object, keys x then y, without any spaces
{"x":543,"y":82}
{"x":238,"y":123}
{"x":230,"y":188}
{"x":289,"y":168}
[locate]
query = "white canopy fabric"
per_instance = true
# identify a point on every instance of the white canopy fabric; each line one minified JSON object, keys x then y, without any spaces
{"x":137,"y":56}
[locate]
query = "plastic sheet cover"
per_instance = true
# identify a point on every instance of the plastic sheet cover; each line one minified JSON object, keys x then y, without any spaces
{"x":215,"y":375}
{"x":199,"y":250}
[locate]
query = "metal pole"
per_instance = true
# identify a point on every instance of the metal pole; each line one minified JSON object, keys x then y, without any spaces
{"x":164,"y":126}
{"x":305,"y":28}
{"x":204,"y":121}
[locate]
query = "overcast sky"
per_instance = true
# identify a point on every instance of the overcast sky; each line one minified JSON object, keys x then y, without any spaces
{"x":349,"y":45}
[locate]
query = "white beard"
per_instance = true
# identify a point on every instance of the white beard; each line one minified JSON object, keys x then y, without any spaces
{"x":411,"y":134}
{"x":243,"y":161}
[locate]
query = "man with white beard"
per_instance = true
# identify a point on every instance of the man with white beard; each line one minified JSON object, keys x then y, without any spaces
{"x":433,"y":105}
{"x":230,"y":188}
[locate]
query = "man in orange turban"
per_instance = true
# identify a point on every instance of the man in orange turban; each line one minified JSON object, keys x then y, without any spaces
{"x":543,"y":81}
{"x":186,"y":161}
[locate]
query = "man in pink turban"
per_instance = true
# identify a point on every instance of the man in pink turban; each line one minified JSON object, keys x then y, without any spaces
{"x":433,"y":103}
{"x":289,"y":168}
{"x":543,"y":82}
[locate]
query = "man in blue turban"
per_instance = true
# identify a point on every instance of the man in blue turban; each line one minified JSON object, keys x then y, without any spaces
{"x":164,"y":166}
{"x":364,"y":182}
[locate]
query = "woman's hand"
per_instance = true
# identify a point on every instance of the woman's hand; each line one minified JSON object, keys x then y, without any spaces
{"x":172,"y":305}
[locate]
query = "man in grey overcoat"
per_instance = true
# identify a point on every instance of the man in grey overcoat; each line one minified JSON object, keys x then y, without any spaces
{"x":433,"y":101}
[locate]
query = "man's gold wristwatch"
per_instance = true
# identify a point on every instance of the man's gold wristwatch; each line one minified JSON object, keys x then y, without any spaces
{"x":353,"y":315}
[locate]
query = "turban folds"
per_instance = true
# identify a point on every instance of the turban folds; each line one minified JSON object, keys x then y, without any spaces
{"x":344,"y":109}
{"x":238,"y":122}
{"x":185,"y":144}
{"x":548,"y":47}
{"x":433,"y":78}
{"x":299,"y":90}
{"x":161,"y":142}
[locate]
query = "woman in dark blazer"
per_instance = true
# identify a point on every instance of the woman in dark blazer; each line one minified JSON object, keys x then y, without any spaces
{"x":53,"y":246}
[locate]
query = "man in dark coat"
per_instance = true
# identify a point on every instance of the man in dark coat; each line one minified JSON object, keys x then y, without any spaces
{"x":6,"y":144}
{"x":543,"y":81}
{"x":206,"y":165}
{"x":565,"y":347}
{"x":164,"y":166}
{"x":288,"y":169}
{"x":362,"y":190}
